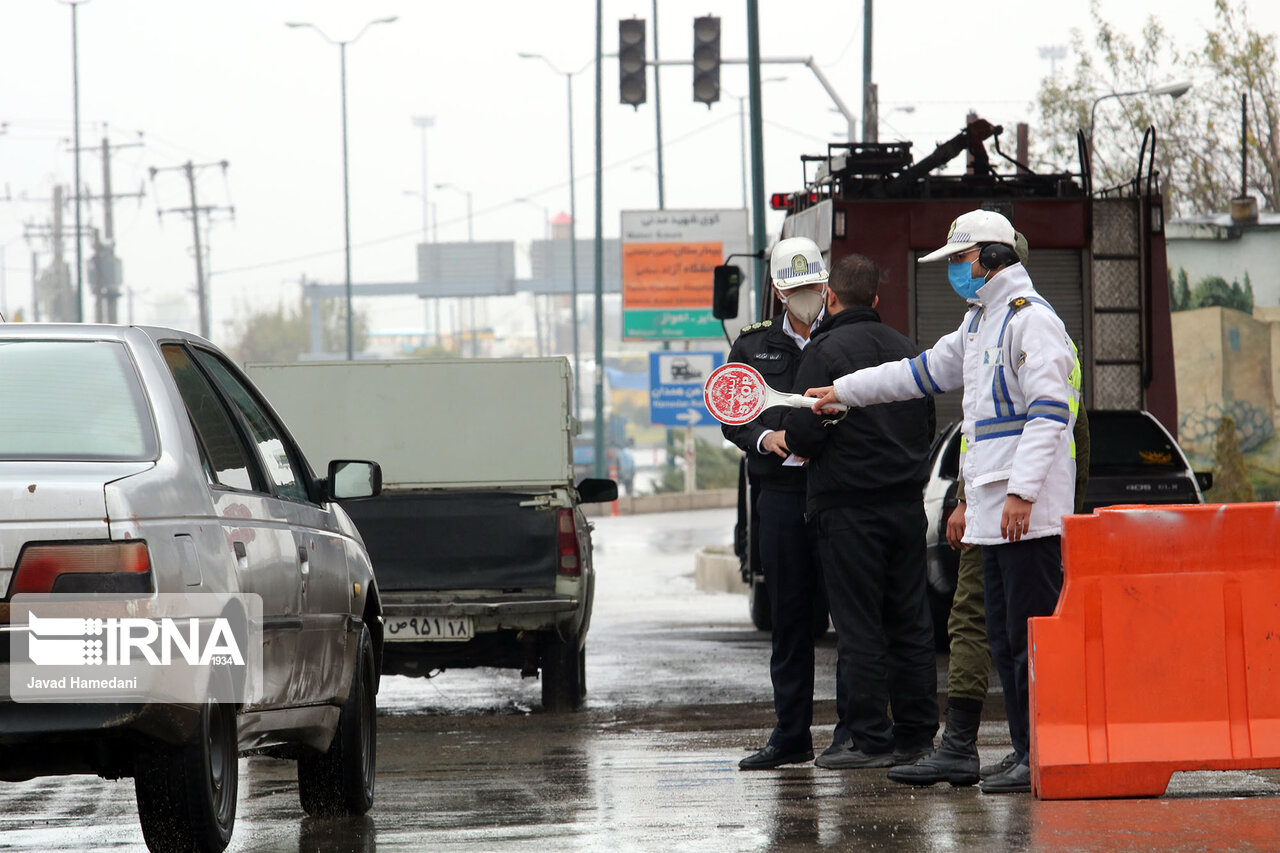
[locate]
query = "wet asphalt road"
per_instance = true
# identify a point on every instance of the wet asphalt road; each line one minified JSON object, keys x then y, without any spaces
{"x":678,"y":693}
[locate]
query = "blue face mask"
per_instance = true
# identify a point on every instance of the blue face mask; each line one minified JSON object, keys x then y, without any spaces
{"x":962,"y":280}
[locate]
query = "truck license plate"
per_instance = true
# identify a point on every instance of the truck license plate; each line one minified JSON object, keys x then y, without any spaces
{"x":441,"y":628}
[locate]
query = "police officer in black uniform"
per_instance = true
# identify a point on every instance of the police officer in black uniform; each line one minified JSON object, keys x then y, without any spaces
{"x":791,"y":572}
{"x":867,"y":471}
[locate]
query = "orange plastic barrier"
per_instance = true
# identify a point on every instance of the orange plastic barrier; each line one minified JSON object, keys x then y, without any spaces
{"x":1163,"y":653}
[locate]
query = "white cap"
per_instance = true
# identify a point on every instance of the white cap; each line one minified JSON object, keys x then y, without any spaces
{"x":971,"y":229}
{"x":796,"y":261}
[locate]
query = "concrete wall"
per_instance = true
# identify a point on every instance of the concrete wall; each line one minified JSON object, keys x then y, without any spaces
{"x":1224,"y":366}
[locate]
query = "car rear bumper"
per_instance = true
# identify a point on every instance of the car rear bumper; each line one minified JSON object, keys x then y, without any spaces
{"x":50,"y":739}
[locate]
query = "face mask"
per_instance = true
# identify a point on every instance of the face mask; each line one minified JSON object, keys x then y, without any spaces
{"x":962,"y":280}
{"x":805,"y":305}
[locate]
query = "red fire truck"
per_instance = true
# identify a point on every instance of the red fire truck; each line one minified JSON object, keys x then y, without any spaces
{"x":1096,"y":254}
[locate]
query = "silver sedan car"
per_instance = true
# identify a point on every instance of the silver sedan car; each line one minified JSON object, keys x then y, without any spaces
{"x":140,"y":462}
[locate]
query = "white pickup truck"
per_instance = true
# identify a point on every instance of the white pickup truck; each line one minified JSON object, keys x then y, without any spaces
{"x":478,"y":542}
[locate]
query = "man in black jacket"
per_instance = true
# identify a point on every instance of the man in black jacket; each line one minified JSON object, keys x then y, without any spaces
{"x":864,"y":503}
{"x":791,"y":574}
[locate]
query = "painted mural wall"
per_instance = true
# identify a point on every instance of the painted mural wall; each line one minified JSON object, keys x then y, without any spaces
{"x":1226,"y":340}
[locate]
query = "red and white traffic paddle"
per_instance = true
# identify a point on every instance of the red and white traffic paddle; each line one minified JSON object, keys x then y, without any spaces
{"x":736,"y":394}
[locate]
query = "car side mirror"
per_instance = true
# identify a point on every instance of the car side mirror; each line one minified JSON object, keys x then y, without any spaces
{"x":597,"y":491}
{"x":724,"y":292}
{"x":1204,"y":479}
{"x":352,"y":478}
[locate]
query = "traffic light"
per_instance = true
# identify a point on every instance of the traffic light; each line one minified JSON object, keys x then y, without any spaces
{"x":706,"y":60}
{"x":631,"y":61}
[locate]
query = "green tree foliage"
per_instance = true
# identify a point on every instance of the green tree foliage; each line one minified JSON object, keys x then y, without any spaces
{"x":1212,"y":291}
{"x":284,"y":333}
{"x":1183,"y":294}
{"x":1231,"y":482}
{"x":1198,"y":143}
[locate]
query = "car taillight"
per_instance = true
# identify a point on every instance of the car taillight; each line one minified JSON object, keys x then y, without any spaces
{"x":570,"y":563}
{"x":89,"y":567}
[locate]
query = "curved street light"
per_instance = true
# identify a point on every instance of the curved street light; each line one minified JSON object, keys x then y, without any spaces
{"x":1174,"y":90}
{"x":346,"y":194}
{"x":573,"y":225}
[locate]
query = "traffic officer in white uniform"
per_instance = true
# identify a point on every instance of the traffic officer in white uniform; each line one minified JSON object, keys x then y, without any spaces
{"x":1013,"y":358}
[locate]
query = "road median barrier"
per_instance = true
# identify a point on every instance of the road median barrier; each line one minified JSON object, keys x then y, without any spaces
{"x":1163,"y":654}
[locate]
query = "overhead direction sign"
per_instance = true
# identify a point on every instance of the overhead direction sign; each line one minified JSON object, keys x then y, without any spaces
{"x":675,"y":387}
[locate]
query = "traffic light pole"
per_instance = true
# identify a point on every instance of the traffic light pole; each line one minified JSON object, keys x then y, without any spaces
{"x":657,"y":108}
{"x":759,"y":233}
{"x":599,"y":248}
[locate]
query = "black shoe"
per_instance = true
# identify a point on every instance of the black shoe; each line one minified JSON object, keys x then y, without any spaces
{"x":839,"y":746}
{"x":853,"y":759}
{"x":954,"y":761}
{"x":910,"y":755}
{"x":771,"y":757}
{"x":1015,"y":780}
{"x":989,"y":770}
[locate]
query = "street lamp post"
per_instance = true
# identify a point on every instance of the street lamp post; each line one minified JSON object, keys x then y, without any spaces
{"x":573,"y":230}
{"x":75,"y":108}
{"x":346,"y":194}
{"x":425,"y":123}
{"x":475,"y":339}
{"x":1173,"y":90}
{"x":537,"y":312}
{"x":467,"y":193}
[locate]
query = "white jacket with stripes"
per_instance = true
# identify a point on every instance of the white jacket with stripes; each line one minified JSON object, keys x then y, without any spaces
{"x":1015,"y":361}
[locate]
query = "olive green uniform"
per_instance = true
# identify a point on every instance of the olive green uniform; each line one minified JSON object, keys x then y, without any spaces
{"x":969,"y":669}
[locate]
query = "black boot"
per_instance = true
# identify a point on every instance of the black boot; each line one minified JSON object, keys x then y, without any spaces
{"x":956,"y":758}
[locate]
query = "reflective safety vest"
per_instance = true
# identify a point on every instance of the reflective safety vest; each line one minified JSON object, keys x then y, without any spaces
{"x":1020,"y":376}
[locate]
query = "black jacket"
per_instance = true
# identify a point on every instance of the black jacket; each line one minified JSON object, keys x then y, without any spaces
{"x":875,"y":454}
{"x":770,"y":350}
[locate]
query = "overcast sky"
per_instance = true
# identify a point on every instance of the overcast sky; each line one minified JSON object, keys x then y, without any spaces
{"x":213,"y":80}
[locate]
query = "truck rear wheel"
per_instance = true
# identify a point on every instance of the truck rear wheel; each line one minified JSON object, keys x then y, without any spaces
{"x":564,"y":674}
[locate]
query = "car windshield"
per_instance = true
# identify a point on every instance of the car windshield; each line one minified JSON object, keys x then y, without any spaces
{"x":72,"y":400}
{"x":1130,"y":440}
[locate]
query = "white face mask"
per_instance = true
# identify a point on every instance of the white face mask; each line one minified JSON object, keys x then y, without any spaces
{"x":804,"y":305}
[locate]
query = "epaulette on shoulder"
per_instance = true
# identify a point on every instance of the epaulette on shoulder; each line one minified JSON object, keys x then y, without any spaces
{"x":755,"y":327}
{"x":1017,"y":303}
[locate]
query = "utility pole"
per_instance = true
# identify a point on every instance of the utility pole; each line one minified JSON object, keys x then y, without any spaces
{"x":54,"y":287}
{"x":105,"y":270}
{"x":870,"y":105}
{"x":657,"y":108}
{"x":194,"y":210}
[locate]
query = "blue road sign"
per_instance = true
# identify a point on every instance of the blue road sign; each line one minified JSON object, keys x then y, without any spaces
{"x":675,"y":387}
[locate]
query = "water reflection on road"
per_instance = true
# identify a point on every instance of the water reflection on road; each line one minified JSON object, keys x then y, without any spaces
{"x":678,"y":694}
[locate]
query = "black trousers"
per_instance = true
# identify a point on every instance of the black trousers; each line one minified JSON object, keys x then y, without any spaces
{"x":1022,"y":580}
{"x":873,"y":560}
{"x":793,"y":580}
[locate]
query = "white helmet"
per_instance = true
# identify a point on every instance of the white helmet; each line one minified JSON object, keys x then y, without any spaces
{"x":796,"y":261}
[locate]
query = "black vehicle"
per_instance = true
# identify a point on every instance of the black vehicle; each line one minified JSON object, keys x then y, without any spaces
{"x":1133,"y":460}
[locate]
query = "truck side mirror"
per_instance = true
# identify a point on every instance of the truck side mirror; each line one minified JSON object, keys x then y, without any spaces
{"x":725,"y":285}
{"x":596,"y":491}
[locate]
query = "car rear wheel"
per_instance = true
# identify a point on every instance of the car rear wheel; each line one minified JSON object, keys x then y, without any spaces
{"x":187,"y":796}
{"x":564,"y":674}
{"x":341,"y":780}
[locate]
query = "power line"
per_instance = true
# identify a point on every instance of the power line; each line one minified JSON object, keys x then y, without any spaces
{"x":417,"y":232}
